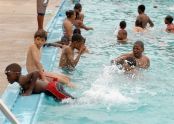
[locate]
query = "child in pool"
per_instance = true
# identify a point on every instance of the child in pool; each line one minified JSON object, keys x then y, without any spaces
{"x":122,"y":33}
{"x":142,"y":17}
{"x":68,"y":59}
{"x":80,"y":17}
{"x":56,"y":44}
{"x":170,"y":26}
{"x":31,"y":83}
{"x":129,"y":65}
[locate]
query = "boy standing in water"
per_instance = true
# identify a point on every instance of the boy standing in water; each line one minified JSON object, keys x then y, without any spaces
{"x":143,"y":18}
{"x":80,"y":17}
{"x":170,"y":26}
{"x":31,"y":84}
{"x":33,"y":60}
{"x":122,"y":33}
{"x":67,"y":57}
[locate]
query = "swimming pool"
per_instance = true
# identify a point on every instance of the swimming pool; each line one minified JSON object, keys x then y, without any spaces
{"x":105,"y":95}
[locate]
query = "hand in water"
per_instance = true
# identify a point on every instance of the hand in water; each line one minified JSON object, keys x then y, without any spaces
{"x":89,"y":28}
{"x":82,"y":49}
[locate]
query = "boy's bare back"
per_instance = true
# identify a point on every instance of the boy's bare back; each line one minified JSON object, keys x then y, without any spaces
{"x":122,"y":35}
{"x":32,"y":56}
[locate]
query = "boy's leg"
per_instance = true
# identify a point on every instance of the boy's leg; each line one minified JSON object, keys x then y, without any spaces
{"x":40,"y":20}
{"x":61,"y":89}
{"x":61,"y":78}
{"x":41,"y":8}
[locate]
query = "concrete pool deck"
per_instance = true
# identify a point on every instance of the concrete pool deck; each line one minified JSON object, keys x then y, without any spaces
{"x":18,"y":23}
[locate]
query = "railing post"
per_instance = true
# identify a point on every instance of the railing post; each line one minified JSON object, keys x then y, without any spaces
{"x":8,"y":113}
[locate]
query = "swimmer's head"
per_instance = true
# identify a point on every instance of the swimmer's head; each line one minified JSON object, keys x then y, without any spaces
{"x":168,"y":19}
{"x":129,"y":63}
{"x":13,"y":71}
{"x":77,"y":31}
{"x":122,"y":24}
{"x":41,"y":34}
{"x":70,"y":14}
{"x":77,"y":41}
{"x":138,"y":49}
{"x":141,"y":9}
{"x":78,"y":7}
{"x":40,"y":38}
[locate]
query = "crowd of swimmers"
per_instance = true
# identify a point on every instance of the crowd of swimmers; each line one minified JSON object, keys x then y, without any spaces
{"x":39,"y":80}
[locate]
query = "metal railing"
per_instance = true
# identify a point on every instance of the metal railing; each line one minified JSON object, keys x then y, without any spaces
{"x":8,"y":113}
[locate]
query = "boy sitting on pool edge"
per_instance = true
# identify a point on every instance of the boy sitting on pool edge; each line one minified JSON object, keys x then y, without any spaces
{"x":31,"y":83}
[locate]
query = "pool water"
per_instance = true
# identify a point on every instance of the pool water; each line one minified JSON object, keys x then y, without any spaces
{"x":104,"y":94}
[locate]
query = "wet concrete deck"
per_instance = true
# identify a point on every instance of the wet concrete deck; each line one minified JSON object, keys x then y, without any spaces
{"x":18,"y":23}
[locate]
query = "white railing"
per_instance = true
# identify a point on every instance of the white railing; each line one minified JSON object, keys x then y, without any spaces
{"x":8,"y":113}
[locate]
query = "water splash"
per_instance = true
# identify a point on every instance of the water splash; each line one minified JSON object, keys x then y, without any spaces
{"x":104,"y":89}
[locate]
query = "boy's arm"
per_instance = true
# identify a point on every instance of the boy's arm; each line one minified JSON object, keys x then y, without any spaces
{"x":55,"y":44}
{"x":32,"y":81}
{"x":120,"y":59}
{"x":151,"y":23}
{"x":81,"y":25}
{"x":70,"y":58}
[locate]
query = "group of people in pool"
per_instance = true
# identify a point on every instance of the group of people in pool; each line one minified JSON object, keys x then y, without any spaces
{"x":141,"y":24}
{"x":39,"y":80}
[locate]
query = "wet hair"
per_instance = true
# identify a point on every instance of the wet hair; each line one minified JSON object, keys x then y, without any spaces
{"x":78,"y":6}
{"x":122,"y":24}
{"x":41,"y":34}
{"x":141,"y":8}
{"x":77,"y":31}
{"x":131,"y":61}
{"x":169,"y":19}
{"x":14,"y":67}
{"x":139,"y":43}
{"x":138,"y":23}
{"x":78,"y":38}
{"x":69,"y":13}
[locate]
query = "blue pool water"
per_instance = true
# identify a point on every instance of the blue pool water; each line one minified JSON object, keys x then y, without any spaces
{"x":104,"y":94}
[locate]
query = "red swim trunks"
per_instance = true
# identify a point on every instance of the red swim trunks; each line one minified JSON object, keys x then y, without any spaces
{"x":56,"y":90}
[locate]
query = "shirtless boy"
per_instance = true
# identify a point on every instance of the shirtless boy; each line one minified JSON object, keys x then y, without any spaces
{"x":80,"y":17}
{"x":33,"y":60}
{"x":67,"y":57}
{"x":170,"y":26}
{"x":142,"y":17}
{"x":122,"y":33}
{"x":142,"y":61}
{"x":31,"y":84}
